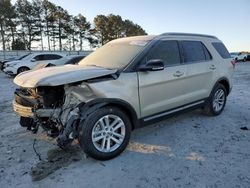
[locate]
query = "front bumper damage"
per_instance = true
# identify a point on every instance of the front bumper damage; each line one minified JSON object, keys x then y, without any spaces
{"x":30,"y":112}
{"x":64,"y":118}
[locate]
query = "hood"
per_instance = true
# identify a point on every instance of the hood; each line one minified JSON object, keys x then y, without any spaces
{"x":12,"y":62}
{"x":54,"y":76}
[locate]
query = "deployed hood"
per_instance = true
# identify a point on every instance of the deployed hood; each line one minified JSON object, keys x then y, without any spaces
{"x":54,"y":76}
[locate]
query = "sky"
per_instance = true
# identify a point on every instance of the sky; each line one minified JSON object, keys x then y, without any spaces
{"x":229,"y":20}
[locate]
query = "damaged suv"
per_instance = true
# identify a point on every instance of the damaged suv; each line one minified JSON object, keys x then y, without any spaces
{"x":123,"y":85}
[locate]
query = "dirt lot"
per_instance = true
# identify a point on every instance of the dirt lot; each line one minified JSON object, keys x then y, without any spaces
{"x":189,"y":150}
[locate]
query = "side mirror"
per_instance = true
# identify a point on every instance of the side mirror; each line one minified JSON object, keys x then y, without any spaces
{"x":33,"y":60}
{"x":152,"y":65}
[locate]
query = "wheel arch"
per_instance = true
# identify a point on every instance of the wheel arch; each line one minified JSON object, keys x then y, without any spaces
{"x":22,"y":67}
{"x":121,"y":104}
{"x":225,"y":82}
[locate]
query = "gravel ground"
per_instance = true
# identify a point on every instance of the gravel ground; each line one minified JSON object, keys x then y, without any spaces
{"x":188,"y":150}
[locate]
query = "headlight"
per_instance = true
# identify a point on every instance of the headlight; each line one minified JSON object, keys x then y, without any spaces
{"x":11,"y":65}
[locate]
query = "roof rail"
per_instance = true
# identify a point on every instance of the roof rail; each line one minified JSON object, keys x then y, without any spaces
{"x":188,"y":34}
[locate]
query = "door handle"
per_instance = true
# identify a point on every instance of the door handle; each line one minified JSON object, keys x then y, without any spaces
{"x":178,"y":74}
{"x":212,"y":67}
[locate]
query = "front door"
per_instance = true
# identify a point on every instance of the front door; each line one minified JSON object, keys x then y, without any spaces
{"x":166,"y":89}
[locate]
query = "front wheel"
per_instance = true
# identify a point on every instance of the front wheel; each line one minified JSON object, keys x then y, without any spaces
{"x":217,"y":101}
{"x":105,"y":133}
{"x":22,"y":69}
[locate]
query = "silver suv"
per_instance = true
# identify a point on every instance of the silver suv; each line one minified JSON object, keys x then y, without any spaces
{"x":123,"y":85}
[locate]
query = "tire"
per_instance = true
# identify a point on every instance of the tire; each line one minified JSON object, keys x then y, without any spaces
{"x":245,"y":59}
{"x":22,"y":69}
{"x":216,"y":102}
{"x":95,"y":134}
{"x":26,"y":122}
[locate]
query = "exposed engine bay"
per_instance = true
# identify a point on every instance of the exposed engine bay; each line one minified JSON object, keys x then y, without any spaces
{"x":60,"y":102}
{"x":68,"y":101}
{"x":41,"y":97}
{"x":56,"y":109}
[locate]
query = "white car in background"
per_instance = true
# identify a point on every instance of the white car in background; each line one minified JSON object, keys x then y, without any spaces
{"x":239,"y":56}
{"x":29,"y":62}
{"x":69,"y":59}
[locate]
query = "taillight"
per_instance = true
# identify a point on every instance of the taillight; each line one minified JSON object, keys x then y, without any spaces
{"x":233,"y":62}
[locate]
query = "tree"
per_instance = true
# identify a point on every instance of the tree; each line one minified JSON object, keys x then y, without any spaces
{"x":49,"y":10}
{"x":82,"y":29}
{"x":38,"y":10}
{"x":115,"y":27}
{"x":132,"y":29}
{"x":101,"y":31}
{"x":62,"y":24}
{"x":18,"y":44}
{"x":112,"y":26}
{"x":6,"y":19}
{"x":28,"y":19}
{"x":31,"y":21}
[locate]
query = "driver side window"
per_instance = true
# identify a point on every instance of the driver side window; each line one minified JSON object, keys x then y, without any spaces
{"x":167,"y":51}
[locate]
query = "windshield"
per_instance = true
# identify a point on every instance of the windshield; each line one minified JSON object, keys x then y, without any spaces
{"x":116,"y":54}
{"x":22,"y":57}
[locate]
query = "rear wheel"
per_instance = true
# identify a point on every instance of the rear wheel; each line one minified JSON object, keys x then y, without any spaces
{"x":217,"y":101}
{"x":245,"y":59}
{"x":105,"y":133}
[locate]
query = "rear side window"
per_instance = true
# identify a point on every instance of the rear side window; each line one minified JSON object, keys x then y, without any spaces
{"x":207,"y":53}
{"x":221,"y":49}
{"x":167,"y":51}
{"x":194,"y":51}
{"x":52,"y":56}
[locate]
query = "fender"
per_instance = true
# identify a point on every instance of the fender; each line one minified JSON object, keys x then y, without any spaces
{"x":87,"y":108}
{"x":226,"y":84}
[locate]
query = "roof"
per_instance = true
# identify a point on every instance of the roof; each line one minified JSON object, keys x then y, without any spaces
{"x":145,"y":38}
{"x":188,"y":34}
{"x":135,"y":38}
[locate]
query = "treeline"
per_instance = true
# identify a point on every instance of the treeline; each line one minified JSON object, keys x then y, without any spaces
{"x":40,"y":24}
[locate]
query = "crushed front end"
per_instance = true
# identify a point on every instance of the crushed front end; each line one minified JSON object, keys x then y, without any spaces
{"x":52,"y":108}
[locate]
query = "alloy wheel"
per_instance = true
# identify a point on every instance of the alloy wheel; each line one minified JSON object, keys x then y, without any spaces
{"x":108,"y":133}
{"x":219,"y":100}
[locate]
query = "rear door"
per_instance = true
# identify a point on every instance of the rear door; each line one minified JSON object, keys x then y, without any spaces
{"x":200,"y":69}
{"x":37,"y":59}
{"x":165,"y":89}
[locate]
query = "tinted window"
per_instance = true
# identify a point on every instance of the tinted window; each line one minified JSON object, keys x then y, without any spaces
{"x":39,"y":57}
{"x":207,"y":53}
{"x":221,"y":49}
{"x":52,"y":56}
{"x":194,"y":51}
{"x":167,"y":51}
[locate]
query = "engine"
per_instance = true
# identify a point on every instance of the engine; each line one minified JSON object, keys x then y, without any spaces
{"x":40,"y":98}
